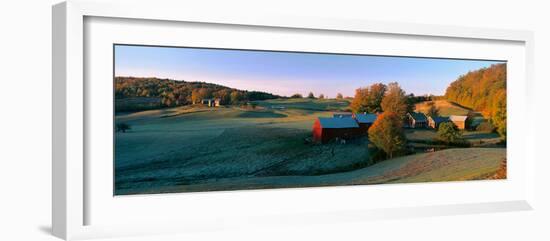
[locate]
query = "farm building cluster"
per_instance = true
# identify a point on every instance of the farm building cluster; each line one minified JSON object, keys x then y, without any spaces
{"x":351,"y":125}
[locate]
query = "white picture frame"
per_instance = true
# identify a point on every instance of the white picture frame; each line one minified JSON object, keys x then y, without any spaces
{"x":72,"y":190}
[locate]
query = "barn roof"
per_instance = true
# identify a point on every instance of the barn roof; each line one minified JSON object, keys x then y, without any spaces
{"x":365,"y":118}
{"x":458,"y":118}
{"x":417,"y":116}
{"x":333,"y":123}
{"x":439,"y":119}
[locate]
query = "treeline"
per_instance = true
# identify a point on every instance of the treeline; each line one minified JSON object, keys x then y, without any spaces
{"x":176,"y":93}
{"x":369,"y":99}
{"x":483,"y":90}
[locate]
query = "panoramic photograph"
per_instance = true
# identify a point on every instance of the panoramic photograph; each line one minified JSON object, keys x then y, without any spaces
{"x":204,"y":119}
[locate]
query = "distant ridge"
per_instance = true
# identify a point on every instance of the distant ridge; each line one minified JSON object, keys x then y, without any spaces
{"x":179,"y":92}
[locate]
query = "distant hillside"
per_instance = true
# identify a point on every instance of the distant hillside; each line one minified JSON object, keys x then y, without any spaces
{"x":142,"y":91}
{"x":483,"y":90}
{"x":445,"y":108}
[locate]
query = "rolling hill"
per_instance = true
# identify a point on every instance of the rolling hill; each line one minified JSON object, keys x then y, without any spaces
{"x":137,"y":93}
{"x":446,"y":108}
{"x":447,"y":165}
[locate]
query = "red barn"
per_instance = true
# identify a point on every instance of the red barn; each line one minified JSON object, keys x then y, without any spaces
{"x":327,"y":129}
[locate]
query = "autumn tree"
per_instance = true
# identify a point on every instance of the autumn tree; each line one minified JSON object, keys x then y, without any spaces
{"x":168,"y":99}
{"x":368,"y":99}
{"x":181,"y":100}
{"x":377,"y":93}
{"x":395,"y":100}
{"x":360,"y":100}
{"x":448,"y":132}
{"x":224,"y":96}
{"x":205,"y":93}
{"x":144,"y":93}
{"x":339,"y":96}
{"x":321,"y":96}
{"x":310,"y":95}
{"x":196,"y":96}
{"x":499,"y":115}
{"x":387,"y":133}
{"x":236,"y":97}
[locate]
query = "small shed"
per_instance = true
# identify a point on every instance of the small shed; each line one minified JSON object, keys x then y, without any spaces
{"x":365,"y":121}
{"x":434,"y":122}
{"x":459,"y":121}
{"x":326,"y":129}
{"x":416,"y":120}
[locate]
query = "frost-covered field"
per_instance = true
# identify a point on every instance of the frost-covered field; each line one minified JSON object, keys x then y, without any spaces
{"x":188,"y":149}
{"x":190,"y":145}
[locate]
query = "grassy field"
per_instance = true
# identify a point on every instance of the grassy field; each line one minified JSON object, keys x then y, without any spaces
{"x":447,"y":165}
{"x":185,"y":145}
{"x":196,"y":148}
{"x":475,"y":138}
{"x":446,"y":108}
{"x":139,"y":103}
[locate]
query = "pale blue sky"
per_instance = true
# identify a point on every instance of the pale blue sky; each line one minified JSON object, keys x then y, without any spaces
{"x":286,"y":73}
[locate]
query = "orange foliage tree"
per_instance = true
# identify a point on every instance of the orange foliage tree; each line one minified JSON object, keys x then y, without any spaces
{"x":368,"y":99}
{"x":396,"y":101}
{"x":387,"y":133}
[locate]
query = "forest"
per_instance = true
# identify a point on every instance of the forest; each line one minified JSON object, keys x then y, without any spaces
{"x":483,"y":90}
{"x":176,"y":93}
